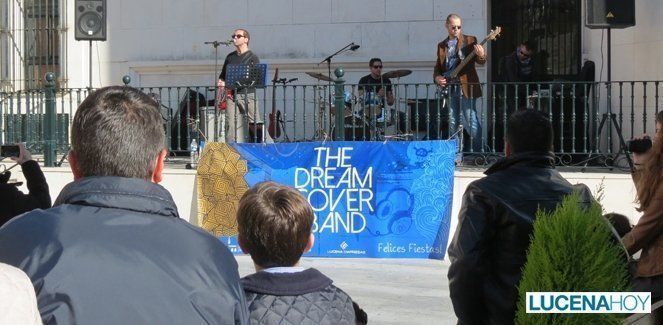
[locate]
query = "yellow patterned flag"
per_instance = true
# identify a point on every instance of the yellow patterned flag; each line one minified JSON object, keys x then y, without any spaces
{"x":220,"y":185}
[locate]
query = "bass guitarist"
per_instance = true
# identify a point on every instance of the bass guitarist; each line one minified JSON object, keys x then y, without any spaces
{"x":465,"y":89}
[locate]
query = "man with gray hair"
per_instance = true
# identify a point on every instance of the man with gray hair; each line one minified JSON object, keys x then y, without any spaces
{"x":113,"y":249}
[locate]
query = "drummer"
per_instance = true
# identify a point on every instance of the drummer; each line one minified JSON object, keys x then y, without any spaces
{"x":374,"y":83}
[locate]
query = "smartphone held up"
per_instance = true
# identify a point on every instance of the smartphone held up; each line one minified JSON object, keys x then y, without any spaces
{"x":9,"y":150}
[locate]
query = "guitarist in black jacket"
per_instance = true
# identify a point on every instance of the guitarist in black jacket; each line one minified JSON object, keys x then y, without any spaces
{"x":465,"y":89}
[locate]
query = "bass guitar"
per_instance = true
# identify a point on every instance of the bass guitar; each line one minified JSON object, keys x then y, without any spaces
{"x":274,"y":128}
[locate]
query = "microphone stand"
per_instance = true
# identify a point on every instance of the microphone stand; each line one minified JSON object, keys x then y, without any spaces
{"x":328,"y":60}
{"x":281,"y":120}
{"x":216,"y":44}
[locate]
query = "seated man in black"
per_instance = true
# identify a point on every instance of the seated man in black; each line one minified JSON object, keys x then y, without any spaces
{"x":376,"y":92}
{"x":519,"y":66}
{"x":373,"y":83}
{"x":516,"y":70}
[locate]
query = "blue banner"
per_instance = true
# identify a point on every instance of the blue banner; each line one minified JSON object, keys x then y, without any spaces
{"x":371,"y":199}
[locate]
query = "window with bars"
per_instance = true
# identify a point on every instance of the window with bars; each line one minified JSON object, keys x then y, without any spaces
{"x":552,"y":26}
{"x":31,"y":37}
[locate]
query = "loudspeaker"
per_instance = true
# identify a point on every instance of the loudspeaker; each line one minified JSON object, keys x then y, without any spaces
{"x":609,"y":13}
{"x":90,"y":20}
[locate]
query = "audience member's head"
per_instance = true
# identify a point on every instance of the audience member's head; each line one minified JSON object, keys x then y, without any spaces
{"x":274,"y":223}
{"x":529,"y":130}
{"x":117,"y":131}
{"x":620,"y":222}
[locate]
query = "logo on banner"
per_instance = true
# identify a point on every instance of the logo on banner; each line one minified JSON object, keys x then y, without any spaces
{"x":338,"y":192}
{"x":344,"y":250}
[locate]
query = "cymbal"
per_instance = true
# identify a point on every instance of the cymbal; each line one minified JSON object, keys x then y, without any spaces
{"x":319,"y":76}
{"x":396,"y":74}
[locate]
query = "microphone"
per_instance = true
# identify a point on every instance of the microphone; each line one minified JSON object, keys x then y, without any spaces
{"x":217,"y":43}
{"x":354,"y":47}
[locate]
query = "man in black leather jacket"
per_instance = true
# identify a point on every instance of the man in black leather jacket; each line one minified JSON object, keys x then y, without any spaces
{"x":495,"y":222}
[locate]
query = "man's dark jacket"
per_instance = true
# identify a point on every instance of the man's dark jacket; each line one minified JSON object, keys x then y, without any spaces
{"x":306,"y":297}
{"x":14,"y":202}
{"x":114,"y":251}
{"x":510,"y":66}
{"x":495,"y":222}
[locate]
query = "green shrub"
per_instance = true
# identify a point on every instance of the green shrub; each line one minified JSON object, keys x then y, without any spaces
{"x":572,"y":250}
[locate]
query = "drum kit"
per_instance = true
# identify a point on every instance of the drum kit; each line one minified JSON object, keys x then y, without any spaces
{"x":361,"y":114}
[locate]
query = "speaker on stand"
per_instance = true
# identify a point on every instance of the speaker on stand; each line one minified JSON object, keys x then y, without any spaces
{"x":90,"y":17}
{"x":609,"y":14}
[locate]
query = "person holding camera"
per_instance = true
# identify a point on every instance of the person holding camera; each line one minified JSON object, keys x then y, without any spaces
{"x":16,"y":202}
{"x":647,"y":234}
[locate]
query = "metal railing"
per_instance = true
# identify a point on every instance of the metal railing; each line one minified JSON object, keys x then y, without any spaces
{"x":580,"y":113}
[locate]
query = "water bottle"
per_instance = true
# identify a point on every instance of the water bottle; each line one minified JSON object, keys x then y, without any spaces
{"x":193,"y":149}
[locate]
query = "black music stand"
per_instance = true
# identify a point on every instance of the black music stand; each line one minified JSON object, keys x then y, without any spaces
{"x":242,"y":76}
{"x":245,"y":78}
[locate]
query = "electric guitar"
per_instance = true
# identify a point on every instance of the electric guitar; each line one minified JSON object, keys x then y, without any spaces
{"x":223,"y":94}
{"x":452,"y":75}
{"x":274,"y":128}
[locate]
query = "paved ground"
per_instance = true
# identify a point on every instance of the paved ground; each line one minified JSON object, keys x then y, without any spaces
{"x":391,"y":291}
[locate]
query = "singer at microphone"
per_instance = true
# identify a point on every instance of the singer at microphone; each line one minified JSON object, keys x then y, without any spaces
{"x":242,"y":105}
